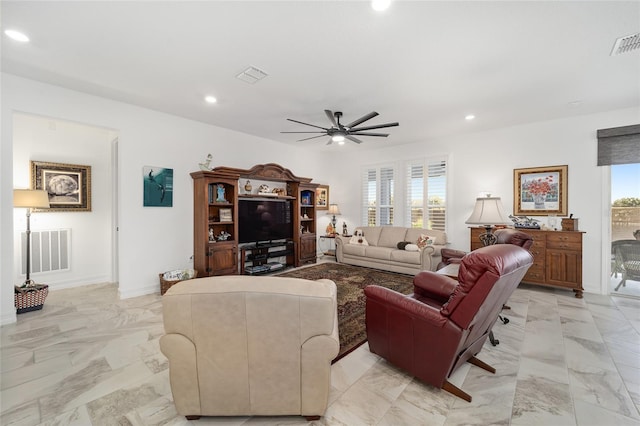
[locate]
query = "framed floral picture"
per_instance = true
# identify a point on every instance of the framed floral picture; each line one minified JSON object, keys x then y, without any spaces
{"x":540,"y":191}
{"x":68,"y":185}
{"x":322,"y":197}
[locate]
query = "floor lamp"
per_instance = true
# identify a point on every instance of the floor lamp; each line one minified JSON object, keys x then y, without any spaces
{"x":30,"y":198}
{"x":488,"y":212}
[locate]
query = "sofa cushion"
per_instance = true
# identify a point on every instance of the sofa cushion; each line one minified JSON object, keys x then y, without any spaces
{"x":404,"y":256}
{"x":391,"y":235}
{"x":382,"y":253}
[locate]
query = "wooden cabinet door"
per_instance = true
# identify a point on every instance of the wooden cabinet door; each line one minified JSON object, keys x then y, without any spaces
{"x":564,"y":268}
{"x":223,"y":259}
{"x":308,"y":248}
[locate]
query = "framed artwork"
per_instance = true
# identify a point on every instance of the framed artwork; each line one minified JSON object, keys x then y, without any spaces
{"x":68,"y":185}
{"x":225,"y":215}
{"x":158,"y":186}
{"x":305,"y":200}
{"x":540,"y":191}
{"x":322,"y":197}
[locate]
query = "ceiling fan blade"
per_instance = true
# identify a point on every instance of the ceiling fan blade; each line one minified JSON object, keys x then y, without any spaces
{"x":331,"y":118}
{"x":369,"y":134}
{"x":353,"y":139}
{"x":304,"y":132}
{"x":377,"y":126}
{"x":362,"y":119}
{"x":330,"y":141}
{"x":307,"y":124}
{"x":312,"y":137}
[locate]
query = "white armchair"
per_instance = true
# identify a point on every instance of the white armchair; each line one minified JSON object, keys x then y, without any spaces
{"x":246,"y":345}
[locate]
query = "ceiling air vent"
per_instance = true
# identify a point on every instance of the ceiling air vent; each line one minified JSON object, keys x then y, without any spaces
{"x":251,"y":75}
{"x":626,"y":44}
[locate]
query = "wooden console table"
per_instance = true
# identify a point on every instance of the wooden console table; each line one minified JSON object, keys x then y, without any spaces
{"x":557,"y":258}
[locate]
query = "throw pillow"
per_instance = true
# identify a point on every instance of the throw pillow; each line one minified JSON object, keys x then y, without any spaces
{"x":359,"y":240}
{"x":423,"y":241}
{"x":402,"y":244}
{"x":411,"y":247}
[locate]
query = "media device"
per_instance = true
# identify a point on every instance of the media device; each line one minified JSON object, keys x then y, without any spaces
{"x":264,"y":219}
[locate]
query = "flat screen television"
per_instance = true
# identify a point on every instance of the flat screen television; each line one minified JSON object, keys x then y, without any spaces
{"x":264,"y":219}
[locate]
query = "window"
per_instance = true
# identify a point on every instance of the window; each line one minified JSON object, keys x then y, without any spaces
{"x":377,"y":195}
{"x":423,"y":204}
{"x":426,"y":192}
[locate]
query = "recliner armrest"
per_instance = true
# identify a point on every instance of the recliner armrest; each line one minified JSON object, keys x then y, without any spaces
{"x":412,"y":307}
{"x":433,"y":285}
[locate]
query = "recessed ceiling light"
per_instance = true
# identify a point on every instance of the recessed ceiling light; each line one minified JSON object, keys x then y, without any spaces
{"x":469,"y":117}
{"x":380,"y":5}
{"x":17,"y":36}
{"x":210,"y":99}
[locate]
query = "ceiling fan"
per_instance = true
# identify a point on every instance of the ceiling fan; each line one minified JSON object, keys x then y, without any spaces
{"x":338,"y":132}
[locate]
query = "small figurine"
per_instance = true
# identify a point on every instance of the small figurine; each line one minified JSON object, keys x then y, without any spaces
{"x":248,"y":187}
{"x":263,"y":189}
{"x":345,"y":232}
{"x":205,"y":164}
{"x":221,"y":198}
{"x":330,"y":229}
{"x":211,"y":236}
{"x":223,"y":236}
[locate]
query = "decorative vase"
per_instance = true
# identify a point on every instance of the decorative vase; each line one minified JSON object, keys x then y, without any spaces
{"x":248,"y":187}
{"x":538,"y":200}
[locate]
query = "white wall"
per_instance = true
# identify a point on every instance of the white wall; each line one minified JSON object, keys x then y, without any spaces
{"x":485,"y":162}
{"x":45,"y":139}
{"x":151,"y":239}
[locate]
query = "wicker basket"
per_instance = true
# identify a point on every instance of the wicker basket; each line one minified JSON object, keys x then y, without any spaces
{"x":167,"y":279}
{"x":27,"y":299}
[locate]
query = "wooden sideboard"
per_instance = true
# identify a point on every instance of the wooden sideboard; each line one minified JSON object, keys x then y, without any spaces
{"x":557,"y":258}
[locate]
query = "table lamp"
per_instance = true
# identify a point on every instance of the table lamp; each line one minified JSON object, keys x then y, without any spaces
{"x":30,"y":198}
{"x":488,"y":212}
{"x":334,"y":210}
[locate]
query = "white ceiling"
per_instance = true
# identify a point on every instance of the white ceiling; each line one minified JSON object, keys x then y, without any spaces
{"x":424,"y":64}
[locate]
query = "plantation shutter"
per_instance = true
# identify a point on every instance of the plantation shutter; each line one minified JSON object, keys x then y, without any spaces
{"x":386,"y":196}
{"x":437,"y":193}
{"x":415,"y":190}
{"x":369,"y":197}
{"x":619,"y":145}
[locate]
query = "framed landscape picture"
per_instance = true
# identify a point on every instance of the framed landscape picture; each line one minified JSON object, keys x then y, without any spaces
{"x":68,"y":185}
{"x":540,"y":191}
{"x":322,"y":197}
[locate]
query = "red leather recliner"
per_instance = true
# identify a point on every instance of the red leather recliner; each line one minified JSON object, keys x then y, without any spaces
{"x":504,"y":236}
{"x":445,"y":322}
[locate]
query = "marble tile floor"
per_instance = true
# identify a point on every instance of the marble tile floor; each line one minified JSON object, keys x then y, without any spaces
{"x":90,"y":359}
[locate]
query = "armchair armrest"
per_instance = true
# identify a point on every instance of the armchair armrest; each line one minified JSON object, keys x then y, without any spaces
{"x":434,"y":286}
{"x":412,"y":307}
{"x":452,"y":255}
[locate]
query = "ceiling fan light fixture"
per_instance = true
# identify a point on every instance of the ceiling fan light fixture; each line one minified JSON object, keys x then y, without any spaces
{"x":338,"y":138}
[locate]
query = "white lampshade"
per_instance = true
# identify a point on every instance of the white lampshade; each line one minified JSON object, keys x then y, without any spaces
{"x":488,"y":211}
{"x":333,"y":209}
{"x":31,"y":198}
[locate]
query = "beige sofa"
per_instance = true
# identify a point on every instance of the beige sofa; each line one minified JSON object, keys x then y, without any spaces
{"x":246,"y":345}
{"x":383,"y":253}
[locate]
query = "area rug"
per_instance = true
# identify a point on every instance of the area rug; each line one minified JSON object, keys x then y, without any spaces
{"x":351,"y":281}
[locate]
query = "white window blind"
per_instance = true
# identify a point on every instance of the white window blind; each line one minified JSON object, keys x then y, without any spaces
{"x":377,"y":195}
{"x":426,"y":193}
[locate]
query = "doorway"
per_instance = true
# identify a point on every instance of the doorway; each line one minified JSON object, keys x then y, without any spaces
{"x":625,"y":225}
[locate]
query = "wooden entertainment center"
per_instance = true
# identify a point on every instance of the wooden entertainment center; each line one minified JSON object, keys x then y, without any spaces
{"x":216,"y":195}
